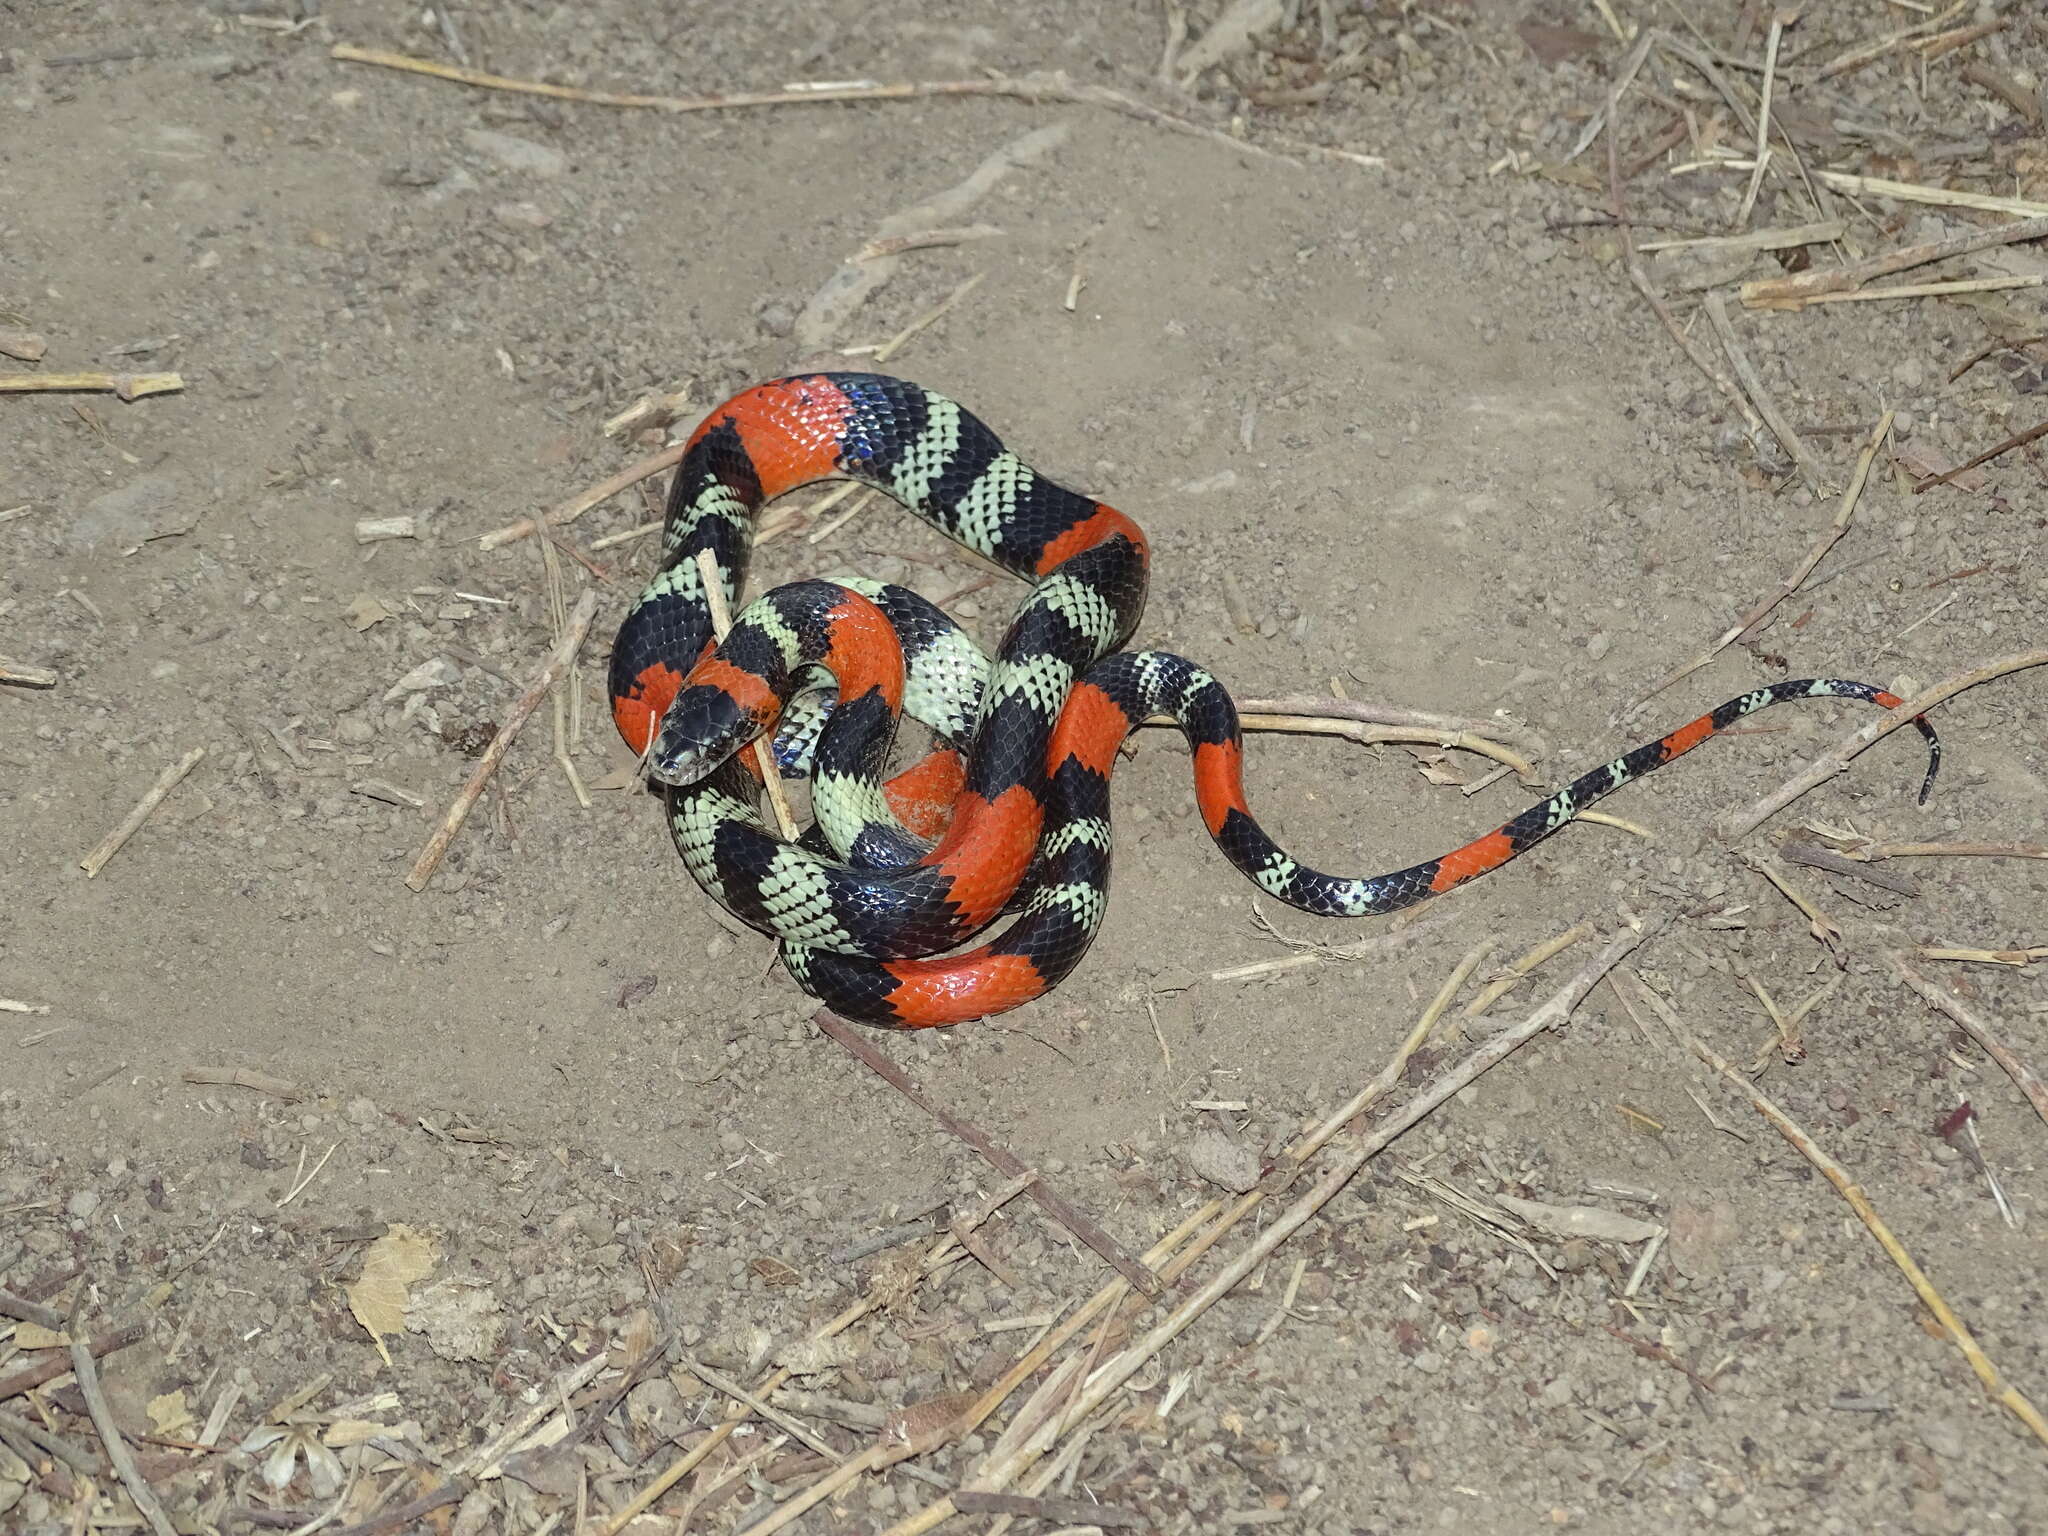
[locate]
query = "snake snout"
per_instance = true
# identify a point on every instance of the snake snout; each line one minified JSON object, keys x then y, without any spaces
{"x":703,"y":728}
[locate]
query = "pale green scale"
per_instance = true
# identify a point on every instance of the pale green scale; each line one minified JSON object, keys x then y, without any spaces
{"x":990,"y":501}
{"x":926,"y":460}
{"x":1043,"y":682}
{"x":1081,"y":605}
{"x":796,"y":891}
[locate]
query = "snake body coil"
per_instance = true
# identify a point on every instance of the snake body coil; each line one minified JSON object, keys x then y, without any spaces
{"x":1011,"y":810}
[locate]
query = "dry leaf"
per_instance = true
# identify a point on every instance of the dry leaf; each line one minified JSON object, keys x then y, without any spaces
{"x":927,"y":1417}
{"x":637,"y":1337}
{"x":365,"y":611}
{"x":392,"y":1263}
{"x":1580,"y":1221}
{"x":171,"y":1416}
{"x":1437,"y":769}
{"x":774,"y":1272}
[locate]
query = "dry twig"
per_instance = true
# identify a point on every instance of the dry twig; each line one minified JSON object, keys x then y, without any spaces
{"x":243,"y":1077}
{"x":1035,"y":88}
{"x":583,"y":501}
{"x":129,"y":386}
{"x":1875,"y":851}
{"x":493,"y":755}
{"x":1618,"y":206}
{"x":1912,"y":192}
{"x":1003,"y":1466}
{"x":2025,"y":1077}
{"x":2017,"y":440}
{"x":1764,"y":607}
{"x":1519,"y":968}
{"x":166,"y":781}
{"x":28,"y":1378}
{"x":1055,"y":1205}
{"x":21,"y":675}
{"x":1995,"y":1384}
{"x":123,"y":1460}
{"x":1790,"y":291}
{"x":1753,"y":385}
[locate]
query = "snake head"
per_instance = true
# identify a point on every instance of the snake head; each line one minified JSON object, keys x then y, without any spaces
{"x":703,"y":727}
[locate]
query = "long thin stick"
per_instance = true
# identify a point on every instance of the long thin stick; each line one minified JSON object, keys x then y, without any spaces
{"x":762,"y":1406}
{"x":550,"y":673}
{"x":1753,"y":385}
{"x":1553,"y":1012}
{"x":2017,"y":440}
{"x":30,"y":1377}
{"x":1763,"y":121}
{"x":118,"y":1453}
{"x":1939,"y":290}
{"x":583,"y":501}
{"x":1055,"y":1205}
{"x":1950,"y":851}
{"x":129,"y":386}
{"x":1741,"y":823}
{"x":166,"y":781}
{"x":1618,"y":206}
{"x":1773,"y":291}
{"x":1850,"y":1191}
{"x":2024,"y":1076}
{"x":1911,"y":192}
{"x":23,"y":675}
{"x":1444,"y":727}
{"x":1762,"y":610}
{"x":1035,"y":88}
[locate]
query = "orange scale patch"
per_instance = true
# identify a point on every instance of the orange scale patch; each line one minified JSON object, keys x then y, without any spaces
{"x":973,"y":986}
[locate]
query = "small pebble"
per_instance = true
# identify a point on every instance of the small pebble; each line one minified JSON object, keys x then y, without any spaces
{"x":516,"y":154}
{"x":522,"y":216}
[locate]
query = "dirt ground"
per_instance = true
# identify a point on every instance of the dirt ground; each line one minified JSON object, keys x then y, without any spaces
{"x":1412,"y":419}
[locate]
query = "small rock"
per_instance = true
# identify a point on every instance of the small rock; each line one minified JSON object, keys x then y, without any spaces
{"x":1701,"y":1235}
{"x":657,"y":1406}
{"x":434,"y":672}
{"x":145,"y":508}
{"x":522,"y":216}
{"x":473,"y":1514}
{"x":1943,"y":1437}
{"x":83,"y":1204}
{"x":516,"y":154}
{"x":1221,"y":1161}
